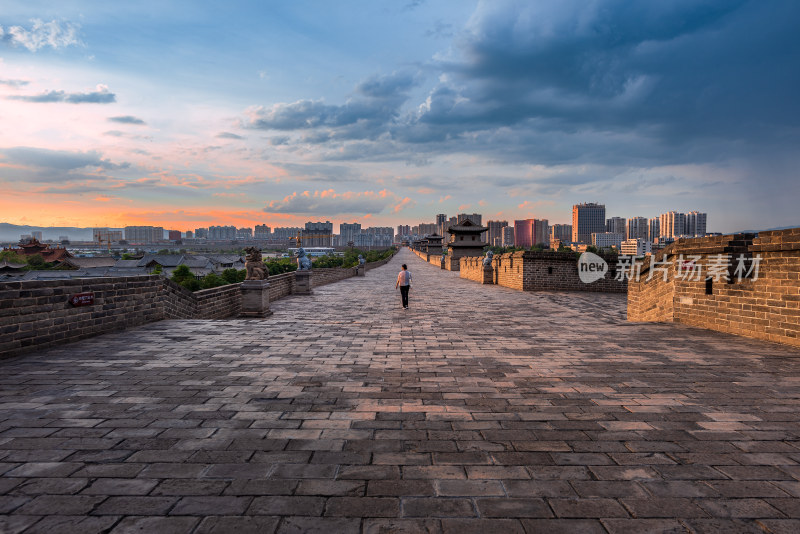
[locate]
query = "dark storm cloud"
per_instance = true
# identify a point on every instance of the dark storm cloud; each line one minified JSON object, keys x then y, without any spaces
{"x":365,"y":116}
{"x":127,"y":119}
{"x":609,"y":83}
{"x":101,"y":96}
{"x":687,"y":68}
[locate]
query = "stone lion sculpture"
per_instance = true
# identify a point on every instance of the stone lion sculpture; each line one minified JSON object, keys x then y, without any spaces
{"x":487,"y":261}
{"x":254,"y":264}
{"x":303,"y":262}
{"x":361,"y":260}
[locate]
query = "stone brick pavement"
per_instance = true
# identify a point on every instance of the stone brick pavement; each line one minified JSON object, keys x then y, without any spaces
{"x":480,"y":409}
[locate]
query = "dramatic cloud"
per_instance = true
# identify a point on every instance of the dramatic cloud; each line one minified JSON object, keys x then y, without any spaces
{"x":101,"y":96}
{"x":365,"y":116}
{"x":55,"y":34}
{"x":329,"y":203}
{"x":553,"y":82}
{"x":127,"y":119}
{"x":14,"y":83}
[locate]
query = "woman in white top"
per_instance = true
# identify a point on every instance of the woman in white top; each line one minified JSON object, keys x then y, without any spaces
{"x":404,"y":283}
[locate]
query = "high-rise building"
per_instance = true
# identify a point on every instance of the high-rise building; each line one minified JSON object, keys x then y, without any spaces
{"x":672,"y":224}
{"x":616,"y":225}
{"x":530,"y":232}
{"x":496,"y":232}
{"x":349,"y":233}
{"x":318,"y":234}
{"x":561,"y":232}
{"x":377,"y":236}
{"x":474,"y":217}
{"x":403,"y":230}
{"x":653,"y":228}
{"x":37,"y":235}
{"x":587,"y":219}
{"x":523,"y":233}
{"x":262,"y":231}
{"x":541,"y":232}
{"x":637,"y":228}
{"x":189,"y":234}
{"x":244,"y":233}
{"x":508,"y":236}
{"x":285,"y":233}
{"x":144,"y":234}
{"x":106,"y":235}
{"x":427,"y":229}
{"x":221,"y":233}
{"x":696,"y":223}
{"x":441,"y":224}
{"x":174,"y":235}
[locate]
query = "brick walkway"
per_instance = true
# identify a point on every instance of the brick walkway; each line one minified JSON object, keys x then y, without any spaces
{"x":480,"y":409}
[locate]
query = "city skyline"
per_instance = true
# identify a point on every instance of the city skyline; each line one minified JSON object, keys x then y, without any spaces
{"x":384,"y":114}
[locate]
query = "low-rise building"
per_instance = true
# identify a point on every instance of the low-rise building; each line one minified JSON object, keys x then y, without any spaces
{"x":607,"y":239}
{"x":636,"y":247}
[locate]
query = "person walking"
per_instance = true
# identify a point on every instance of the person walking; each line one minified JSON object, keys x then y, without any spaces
{"x":404,"y":283}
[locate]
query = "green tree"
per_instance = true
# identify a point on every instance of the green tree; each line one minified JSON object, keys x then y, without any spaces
{"x":234,"y":276}
{"x":183,"y":276}
{"x":12,"y":257}
{"x":35,"y":261}
{"x":158,"y":269}
{"x":212,"y":280}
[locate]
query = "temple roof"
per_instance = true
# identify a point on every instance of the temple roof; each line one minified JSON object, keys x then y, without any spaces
{"x":48,"y":254}
{"x":466,"y":227}
{"x":466,"y":244}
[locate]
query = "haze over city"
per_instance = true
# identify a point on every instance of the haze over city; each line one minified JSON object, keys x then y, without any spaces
{"x":191,"y":114}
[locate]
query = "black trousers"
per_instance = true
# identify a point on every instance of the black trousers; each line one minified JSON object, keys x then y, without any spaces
{"x":404,"y":295}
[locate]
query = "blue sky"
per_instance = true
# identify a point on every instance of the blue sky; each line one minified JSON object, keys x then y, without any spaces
{"x":186,"y":114}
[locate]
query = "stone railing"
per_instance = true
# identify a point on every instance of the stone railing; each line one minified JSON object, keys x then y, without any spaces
{"x":689,"y":282}
{"x":38,"y":314}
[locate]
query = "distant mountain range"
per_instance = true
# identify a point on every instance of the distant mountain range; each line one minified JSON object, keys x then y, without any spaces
{"x":12,"y":232}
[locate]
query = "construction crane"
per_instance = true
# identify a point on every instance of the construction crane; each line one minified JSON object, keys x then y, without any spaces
{"x":300,"y":237}
{"x":107,"y":241}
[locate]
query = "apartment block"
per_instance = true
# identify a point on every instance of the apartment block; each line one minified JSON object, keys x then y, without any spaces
{"x":587,"y":219}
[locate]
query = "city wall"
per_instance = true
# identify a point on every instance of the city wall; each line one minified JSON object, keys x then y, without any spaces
{"x":473,"y":269}
{"x":766,"y":306}
{"x":37,"y":314}
{"x":540,"y":271}
{"x":434,"y":259}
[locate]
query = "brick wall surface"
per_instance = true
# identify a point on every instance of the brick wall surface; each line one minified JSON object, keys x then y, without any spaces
{"x":281,"y":285}
{"x":766,"y":307}
{"x":551,"y":271}
{"x":472,"y":269}
{"x":37,"y":314}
